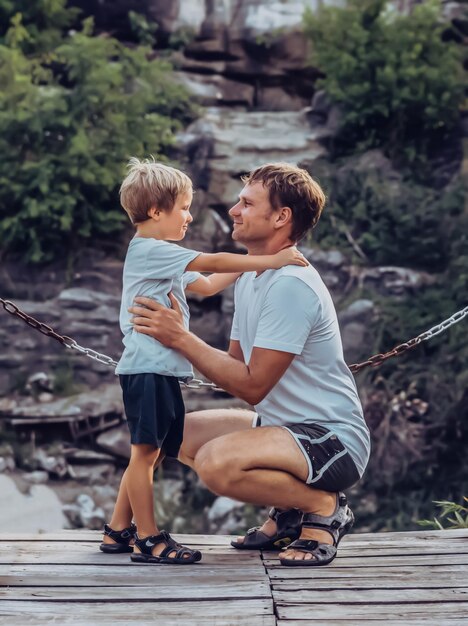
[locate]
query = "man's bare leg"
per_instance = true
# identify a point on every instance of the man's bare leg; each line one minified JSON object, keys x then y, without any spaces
{"x":203,"y":426}
{"x":264,"y":466}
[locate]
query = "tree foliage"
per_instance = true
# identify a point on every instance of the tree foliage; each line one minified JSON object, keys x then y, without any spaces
{"x":399,"y":85}
{"x":381,"y":218}
{"x":73,"y":108}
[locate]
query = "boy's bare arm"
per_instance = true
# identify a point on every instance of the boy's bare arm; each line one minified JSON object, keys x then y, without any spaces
{"x":210,"y":285}
{"x":226,"y":262}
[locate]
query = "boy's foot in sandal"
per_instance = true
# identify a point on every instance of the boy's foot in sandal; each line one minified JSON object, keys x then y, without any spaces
{"x":163,"y":549}
{"x":320,"y":537}
{"x":281,"y":528}
{"x":118,"y":541}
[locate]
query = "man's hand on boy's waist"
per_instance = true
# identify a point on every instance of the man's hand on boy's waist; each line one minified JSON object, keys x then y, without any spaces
{"x":153,"y":319}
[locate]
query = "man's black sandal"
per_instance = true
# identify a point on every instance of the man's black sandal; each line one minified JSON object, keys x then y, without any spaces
{"x":183,"y":555}
{"x":288,"y":529}
{"x":337,"y":524}
{"x":122,"y":539}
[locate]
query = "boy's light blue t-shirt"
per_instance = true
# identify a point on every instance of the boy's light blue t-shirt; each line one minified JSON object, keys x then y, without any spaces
{"x":152,"y":269}
{"x":291,"y":310}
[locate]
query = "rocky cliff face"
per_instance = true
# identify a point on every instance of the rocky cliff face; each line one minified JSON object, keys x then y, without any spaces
{"x":245,"y":62}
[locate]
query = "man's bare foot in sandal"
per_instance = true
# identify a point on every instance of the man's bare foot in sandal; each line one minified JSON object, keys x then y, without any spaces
{"x":320,"y":535}
{"x":281,"y":528}
{"x":162,"y":549}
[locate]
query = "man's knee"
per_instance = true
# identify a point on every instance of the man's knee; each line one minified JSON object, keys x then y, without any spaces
{"x":215,"y":469}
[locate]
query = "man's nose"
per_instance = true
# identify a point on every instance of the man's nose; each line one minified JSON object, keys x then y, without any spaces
{"x":234,"y":210}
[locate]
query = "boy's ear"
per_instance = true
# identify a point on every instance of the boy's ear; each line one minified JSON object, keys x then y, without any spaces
{"x":153,"y":213}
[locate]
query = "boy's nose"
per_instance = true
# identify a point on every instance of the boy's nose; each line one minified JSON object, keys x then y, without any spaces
{"x":190,"y":218}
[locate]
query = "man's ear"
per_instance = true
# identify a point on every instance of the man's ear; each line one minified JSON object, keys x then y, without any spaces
{"x":154,"y":213}
{"x":283,"y":217}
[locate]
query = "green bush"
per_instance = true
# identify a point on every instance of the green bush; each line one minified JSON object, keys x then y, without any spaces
{"x":398,"y":84}
{"x":389,"y":221}
{"x":70,"y":117}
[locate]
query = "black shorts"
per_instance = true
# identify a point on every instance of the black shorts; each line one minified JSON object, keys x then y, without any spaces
{"x":331,"y":467}
{"x":155,"y":410}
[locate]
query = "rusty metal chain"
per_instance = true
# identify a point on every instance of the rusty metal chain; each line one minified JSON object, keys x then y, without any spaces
{"x":68,"y":342}
{"x":195,"y":383}
{"x":378,"y":359}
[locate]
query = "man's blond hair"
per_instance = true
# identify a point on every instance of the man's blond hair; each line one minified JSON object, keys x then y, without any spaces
{"x":294,"y":187}
{"x":151,"y":184}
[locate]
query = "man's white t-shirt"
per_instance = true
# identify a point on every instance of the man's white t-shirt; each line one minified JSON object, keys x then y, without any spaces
{"x":152,"y":269}
{"x":291,"y":310}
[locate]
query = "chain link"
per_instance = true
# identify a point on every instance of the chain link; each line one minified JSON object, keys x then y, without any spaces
{"x":196,"y":383}
{"x":378,"y":359}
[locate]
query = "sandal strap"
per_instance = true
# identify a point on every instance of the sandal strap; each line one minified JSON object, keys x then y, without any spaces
{"x":332,"y":524}
{"x":285,"y":518}
{"x":320,"y":551}
{"x":253,"y":535}
{"x":305,"y":545}
{"x":121,"y":536}
{"x":146,"y":545}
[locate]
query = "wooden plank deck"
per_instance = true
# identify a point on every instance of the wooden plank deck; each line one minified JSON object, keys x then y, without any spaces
{"x":410,"y":578}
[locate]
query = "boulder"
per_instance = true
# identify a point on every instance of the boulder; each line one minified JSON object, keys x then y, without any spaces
{"x":39,"y":510}
{"x":214,"y":90}
{"x":84,"y":513}
{"x":116,"y":441}
{"x":225,"y":515}
{"x":239,"y":142}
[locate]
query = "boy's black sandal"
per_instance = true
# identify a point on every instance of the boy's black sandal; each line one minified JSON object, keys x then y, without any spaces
{"x":182,"y":556}
{"x":337,"y":524}
{"x":288,"y":529}
{"x":122,"y":539}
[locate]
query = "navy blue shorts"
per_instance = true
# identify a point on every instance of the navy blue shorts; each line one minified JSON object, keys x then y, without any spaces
{"x":155,"y":410}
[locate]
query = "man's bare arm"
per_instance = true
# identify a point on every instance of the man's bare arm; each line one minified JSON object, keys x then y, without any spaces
{"x":250,"y":382}
{"x":235,"y":350}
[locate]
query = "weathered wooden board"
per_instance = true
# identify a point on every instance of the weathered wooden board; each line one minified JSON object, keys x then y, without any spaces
{"x":372,"y":620}
{"x":356,"y":613}
{"x":300,"y":574}
{"x":96,"y":536}
{"x":88,"y":553}
{"x":407,"y":550}
{"x":105,"y":576}
{"x":426,"y":534}
{"x":369,"y":596}
{"x":56,"y":547}
{"x":195,"y":589}
{"x":384,"y":561}
{"x":227,"y":613}
{"x":416,"y":581}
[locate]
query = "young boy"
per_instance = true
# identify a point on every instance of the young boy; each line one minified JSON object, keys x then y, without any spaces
{"x":157,"y":199}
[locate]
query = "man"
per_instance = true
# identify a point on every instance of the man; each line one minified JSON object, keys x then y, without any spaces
{"x":285,"y":358}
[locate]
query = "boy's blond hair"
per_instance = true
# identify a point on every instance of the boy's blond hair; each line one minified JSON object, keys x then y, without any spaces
{"x":150,"y":184}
